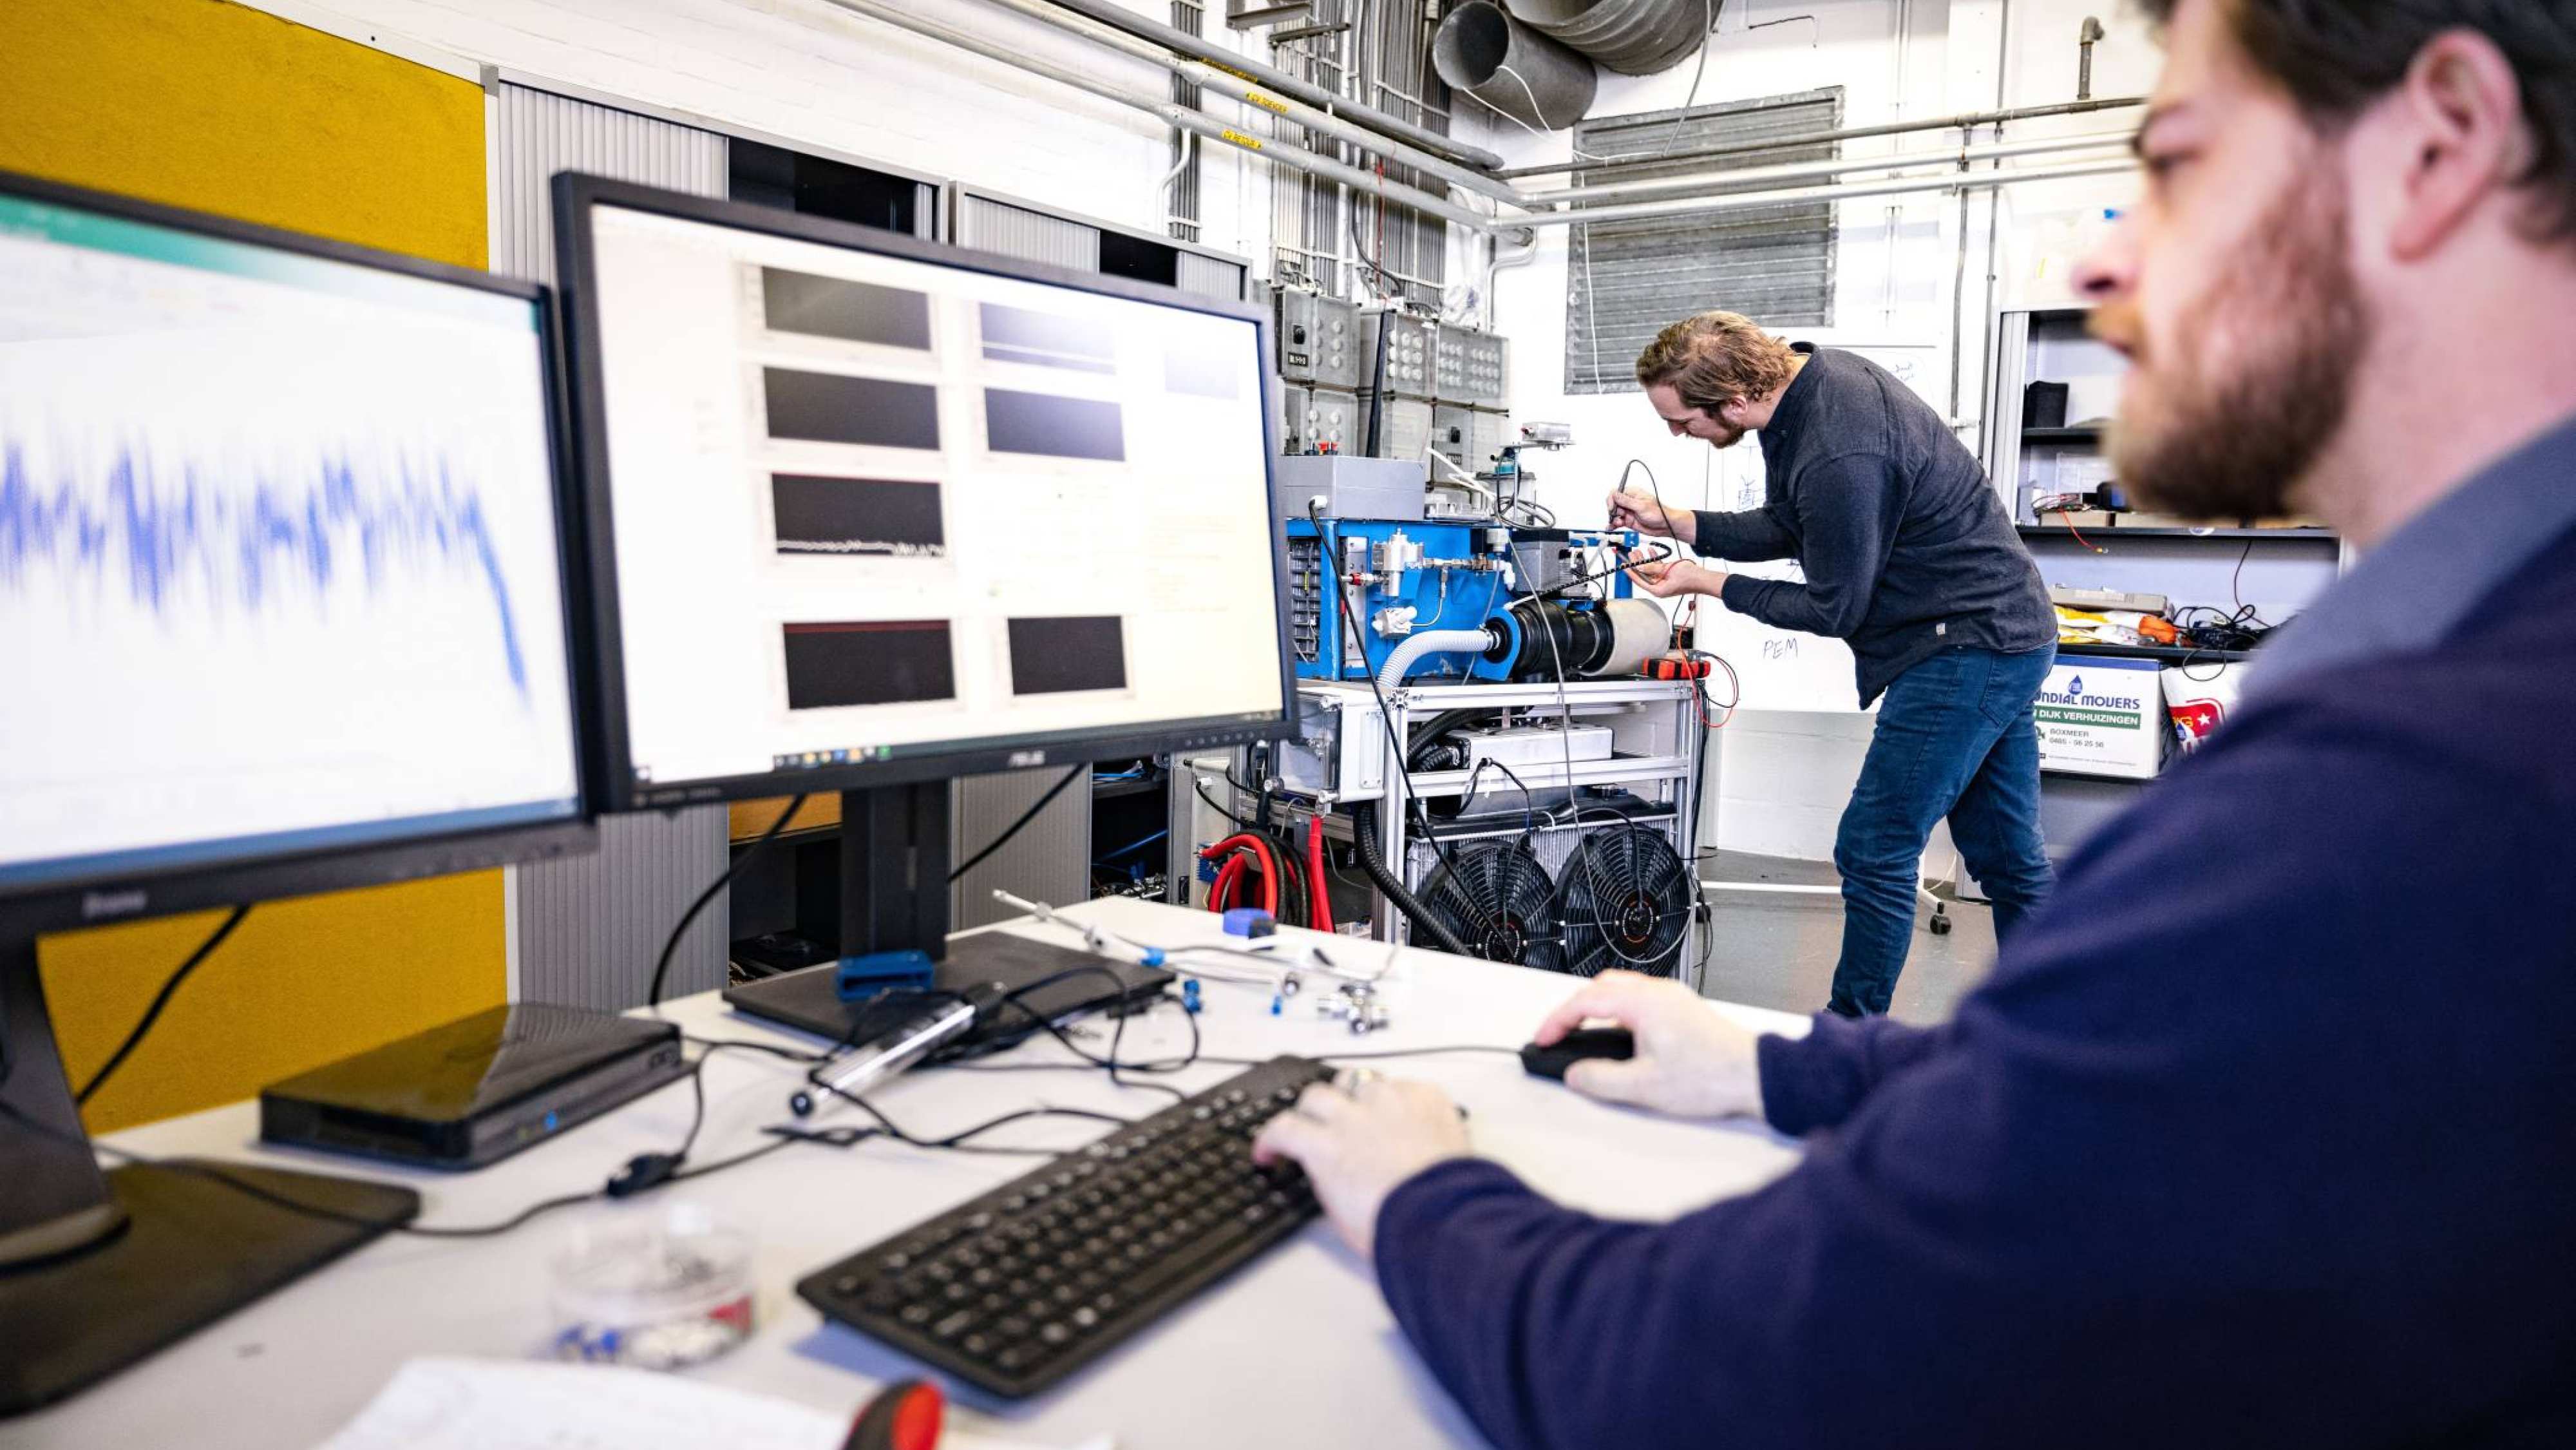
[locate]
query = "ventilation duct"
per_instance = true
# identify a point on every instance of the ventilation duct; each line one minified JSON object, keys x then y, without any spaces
{"x":1512,"y":68}
{"x":1635,"y":37}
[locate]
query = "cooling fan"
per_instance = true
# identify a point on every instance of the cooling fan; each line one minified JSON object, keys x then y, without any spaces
{"x":1497,"y":898}
{"x":1625,"y":903}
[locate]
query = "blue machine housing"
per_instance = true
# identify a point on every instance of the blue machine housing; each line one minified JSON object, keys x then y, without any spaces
{"x":1458,"y":575}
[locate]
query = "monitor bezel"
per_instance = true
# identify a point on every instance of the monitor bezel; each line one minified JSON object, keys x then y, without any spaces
{"x":102,"y":898}
{"x":575,"y":197}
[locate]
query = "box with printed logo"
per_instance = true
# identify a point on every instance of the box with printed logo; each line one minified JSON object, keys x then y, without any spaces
{"x":2102,"y":715}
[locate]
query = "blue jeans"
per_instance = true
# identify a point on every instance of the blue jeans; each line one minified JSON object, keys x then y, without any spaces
{"x":1955,"y":738}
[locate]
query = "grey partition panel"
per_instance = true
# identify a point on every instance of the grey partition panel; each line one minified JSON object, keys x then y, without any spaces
{"x":1210,"y":276}
{"x":1049,"y":860}
{"x":589,"y":929}
{"x":1018,"y":231}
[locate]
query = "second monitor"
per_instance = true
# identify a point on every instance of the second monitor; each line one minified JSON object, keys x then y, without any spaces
{"x":869,"y":512}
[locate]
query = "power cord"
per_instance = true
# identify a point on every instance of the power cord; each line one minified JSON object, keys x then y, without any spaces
{"x":160,"y":999}
{"x":671,"y":943}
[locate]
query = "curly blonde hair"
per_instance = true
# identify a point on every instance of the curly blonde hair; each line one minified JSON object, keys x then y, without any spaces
{"x":1714,"y":357}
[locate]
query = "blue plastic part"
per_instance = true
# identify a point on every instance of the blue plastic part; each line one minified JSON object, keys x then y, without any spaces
{"x":1190,"y":995}
{"x":1250,"y":921}
{"x":1153,"y":956}
{"x":858,"y":978}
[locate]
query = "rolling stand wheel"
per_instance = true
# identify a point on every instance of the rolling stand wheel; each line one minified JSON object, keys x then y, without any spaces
{"x":1941,"y":922}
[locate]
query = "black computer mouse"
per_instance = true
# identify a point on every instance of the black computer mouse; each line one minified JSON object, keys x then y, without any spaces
{"x":1554,"y":1059}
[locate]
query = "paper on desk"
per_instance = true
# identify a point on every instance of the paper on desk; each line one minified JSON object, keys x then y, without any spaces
{"x":486,"y":1404}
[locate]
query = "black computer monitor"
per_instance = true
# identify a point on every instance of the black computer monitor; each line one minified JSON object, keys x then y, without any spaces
{"x":867,"y":512}
{"x":283,"y":608}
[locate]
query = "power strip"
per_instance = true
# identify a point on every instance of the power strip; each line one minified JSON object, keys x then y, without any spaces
{"x":2107,"y":599}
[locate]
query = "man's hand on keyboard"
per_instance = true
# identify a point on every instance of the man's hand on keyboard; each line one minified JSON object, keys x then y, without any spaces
{"x":1358,"y":1145}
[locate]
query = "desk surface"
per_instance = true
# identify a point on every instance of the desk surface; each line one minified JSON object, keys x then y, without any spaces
{"x":1297,"y":1350}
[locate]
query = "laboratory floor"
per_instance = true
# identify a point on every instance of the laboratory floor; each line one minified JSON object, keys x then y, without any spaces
{"x":1779,"y":950}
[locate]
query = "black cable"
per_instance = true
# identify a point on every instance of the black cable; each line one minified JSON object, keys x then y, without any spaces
{"x":957,"y":1141}
{"x":671,"y":943}
{"x":1013,"y":828}
{"x":160,"y":1000}
{"x":1200,"y":786}
{"x":1364,"y":835}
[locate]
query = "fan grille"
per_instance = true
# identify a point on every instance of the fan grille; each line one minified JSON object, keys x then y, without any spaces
{"x":1499,"y":902}
{"x":1625,"y":903}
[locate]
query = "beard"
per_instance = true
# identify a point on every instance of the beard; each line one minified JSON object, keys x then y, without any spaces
{"x":2233,"y":437}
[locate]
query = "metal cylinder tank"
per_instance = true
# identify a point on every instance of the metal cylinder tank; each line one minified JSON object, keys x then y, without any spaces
{"x":1482,"y":50}
{"x":1635,"y":37}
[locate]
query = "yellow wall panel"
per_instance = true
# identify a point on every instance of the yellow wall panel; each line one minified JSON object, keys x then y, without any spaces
{"x":225,"y":109}
{"x":208,"y":105}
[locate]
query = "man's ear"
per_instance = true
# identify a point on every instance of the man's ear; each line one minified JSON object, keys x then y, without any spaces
{"x":2460,"y":112}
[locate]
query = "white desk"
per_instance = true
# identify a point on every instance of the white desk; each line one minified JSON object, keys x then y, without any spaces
{"x":1295,"y":1351}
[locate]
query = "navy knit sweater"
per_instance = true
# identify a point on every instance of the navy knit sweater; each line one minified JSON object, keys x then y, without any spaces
{"x":2263,"y":1133}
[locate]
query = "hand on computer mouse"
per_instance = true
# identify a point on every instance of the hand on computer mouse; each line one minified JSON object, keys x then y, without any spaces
{"x":1359,"y":1146}
{"x":1690,"y":1062}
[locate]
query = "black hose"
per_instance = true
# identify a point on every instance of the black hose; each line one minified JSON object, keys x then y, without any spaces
{"x":1364,"y":834}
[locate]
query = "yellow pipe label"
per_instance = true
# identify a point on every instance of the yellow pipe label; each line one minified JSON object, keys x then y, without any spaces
{"x":1248,"y":143}
{"x":1229,"y":70}
{"x":1265,"y":102}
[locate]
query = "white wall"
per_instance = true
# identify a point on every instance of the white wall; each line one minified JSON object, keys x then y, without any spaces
{"x":1786,"y":775}
{"x":810,"y":72}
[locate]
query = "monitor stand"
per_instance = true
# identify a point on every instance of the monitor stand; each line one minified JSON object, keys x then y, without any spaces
{"x":894,"y":876}
{"x":99,"y":1269}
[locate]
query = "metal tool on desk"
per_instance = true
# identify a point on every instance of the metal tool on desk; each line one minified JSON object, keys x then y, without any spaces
{"x":900,"y":1046}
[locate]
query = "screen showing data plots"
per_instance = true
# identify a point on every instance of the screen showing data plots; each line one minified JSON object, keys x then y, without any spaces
{"x":279,"y":562}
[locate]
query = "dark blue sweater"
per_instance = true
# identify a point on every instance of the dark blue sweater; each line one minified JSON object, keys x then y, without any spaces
{"x":1905,"y":548}
{"x":2263,"y":1133}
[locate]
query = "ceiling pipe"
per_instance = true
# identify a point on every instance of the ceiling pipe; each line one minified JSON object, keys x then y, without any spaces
{"x":1801,"y":170}
{"x":1276,"y":151}
{"x":1829,"y":138}
{"x":1173,"y":38}
{"x":1737,"y":201}
{"x":1287,"y":108}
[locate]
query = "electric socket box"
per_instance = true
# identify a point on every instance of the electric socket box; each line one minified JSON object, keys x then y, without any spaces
{"x":1468,"y":437}
{"x":1319,"y":420}
{"x":1404,"y":427}
{"x":1339,"y":748}
{"x":1471,"y":368}
{"x":1380,"y":489}
{"x":1412,"y":355}
{"x":1321,"y":341}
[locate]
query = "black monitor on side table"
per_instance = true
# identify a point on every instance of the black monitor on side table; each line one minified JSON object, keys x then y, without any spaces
{"x":868,"y":512}
{"x":282,"y":610}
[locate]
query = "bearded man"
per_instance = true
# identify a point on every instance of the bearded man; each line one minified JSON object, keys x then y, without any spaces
{"x":2260,"y":1134}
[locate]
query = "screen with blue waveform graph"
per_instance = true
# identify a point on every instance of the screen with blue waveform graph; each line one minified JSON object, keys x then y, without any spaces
{"x":281,"y":562}
{"x":271,"y":541}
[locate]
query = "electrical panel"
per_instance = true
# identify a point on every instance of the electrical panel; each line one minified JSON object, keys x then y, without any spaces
{"x":1469,"y":437}
{"x":1412,"y":354}
{"x":1321,"y":342}
{"x":1319,"y":420}
{"x":1404,"y":427}
{"x":1471,"y":368}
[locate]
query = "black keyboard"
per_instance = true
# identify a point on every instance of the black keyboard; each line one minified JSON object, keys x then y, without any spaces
{"x":1017,"y":1289}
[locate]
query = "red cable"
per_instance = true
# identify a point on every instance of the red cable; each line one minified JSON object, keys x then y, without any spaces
{"x":1221,"y":895}
{"x":1262,"y":859}
{"x":1319,"y":905}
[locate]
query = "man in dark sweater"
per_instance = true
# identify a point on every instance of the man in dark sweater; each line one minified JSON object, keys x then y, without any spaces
{"x":2260,"y":1135}
{"x":1910,"y":558}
